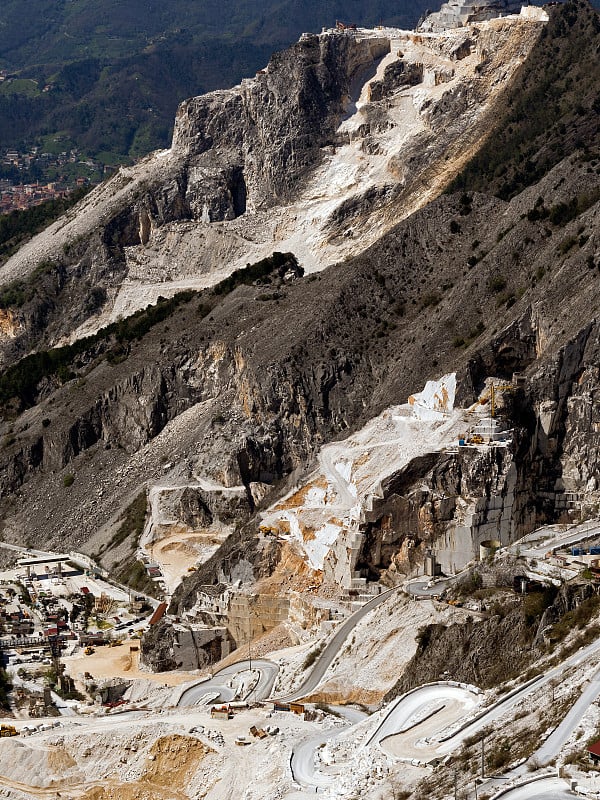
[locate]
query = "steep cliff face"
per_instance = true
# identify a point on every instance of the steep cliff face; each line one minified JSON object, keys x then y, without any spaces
{"x":167,"y":647}
{"x":567,"y":433}
{"x":265,"y":136}
{"x":453,"y":501}
{"x":483,"y":653}
{"x":450,"y":507}
{"x":233,"y":151}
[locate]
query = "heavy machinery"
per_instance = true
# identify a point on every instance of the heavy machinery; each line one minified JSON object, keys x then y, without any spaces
{"x":342,"y":26}
{"x":494,"y":390}
{"x":8,"y":730}
{"x":89,"y":651}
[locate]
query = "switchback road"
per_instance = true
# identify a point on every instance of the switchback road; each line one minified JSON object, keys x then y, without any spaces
{"x":221,"y":683}
{"x":333,"y":647}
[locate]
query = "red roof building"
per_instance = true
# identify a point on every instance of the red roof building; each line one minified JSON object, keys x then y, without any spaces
{"x":594,"y":752}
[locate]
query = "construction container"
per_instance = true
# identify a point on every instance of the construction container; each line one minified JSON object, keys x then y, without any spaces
{"x":220,"y":712}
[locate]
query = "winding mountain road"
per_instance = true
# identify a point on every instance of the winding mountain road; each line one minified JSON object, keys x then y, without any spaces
{"x":546,"y":789}
{"x":333,"y":647}
{"x":415,"y":708}
{"x":441,"y":703}
{"x":436,"y":712}
{"x":554,"y":743}
{"x":221,"y":684}
{"x":542,"y":540}
{"x":451,"y":733}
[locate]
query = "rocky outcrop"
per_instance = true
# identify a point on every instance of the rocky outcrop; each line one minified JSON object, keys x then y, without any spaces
{"x":275,"y":370}
{"x":212,"y":618}
{"x":445,"y":503}
{"x":482,"y":653}
{"x":567,"y":435}
{"x":168,"y":646}
{"x":157,"y":647}
{"x":489,"y":652}
{"x":198,"y":508}
{"x":396,"y":75}
{"x":233,"y":150}
{"x":243,"y":559}
{"x":126,"y":416}
{"x":269,"y":131}
{"x":452,"y":503}
{"x":292,"y":159}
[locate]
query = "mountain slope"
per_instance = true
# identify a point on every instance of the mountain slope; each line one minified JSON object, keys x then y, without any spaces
{"x":283,"y":368}
{"x":54,"y":32}
{"x":237,"y":387}
{"x":117,"y":71}
{"x":319,"y":155}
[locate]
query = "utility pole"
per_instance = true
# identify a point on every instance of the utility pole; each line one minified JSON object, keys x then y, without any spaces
{"x":482,"y":758}
{"x":55,"y":651}
{"x":249,"y":634}
{"x":63,"y":682}
{"x":249,"y":639}
{"x":250,"y":647}
{"x":455,"y":784}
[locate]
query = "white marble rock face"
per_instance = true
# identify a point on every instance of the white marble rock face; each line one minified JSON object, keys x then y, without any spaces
{"x":457,"y":14}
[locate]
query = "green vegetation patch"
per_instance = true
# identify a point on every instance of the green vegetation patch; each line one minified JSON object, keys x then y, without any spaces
{"x":474,"y":333}
{"x":497,"y":283}
{"x":132,"y":522}
{"x":579,"y":617}
{"x":133,"y":574}
{"x":430,"y":299}
{"x":26,"y":87}
{"x":21,"y":379}
{"x":255,"y":273}
{"x":563,"y":213}
{"x":312,"y":656}
{"x":16,"y":293}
